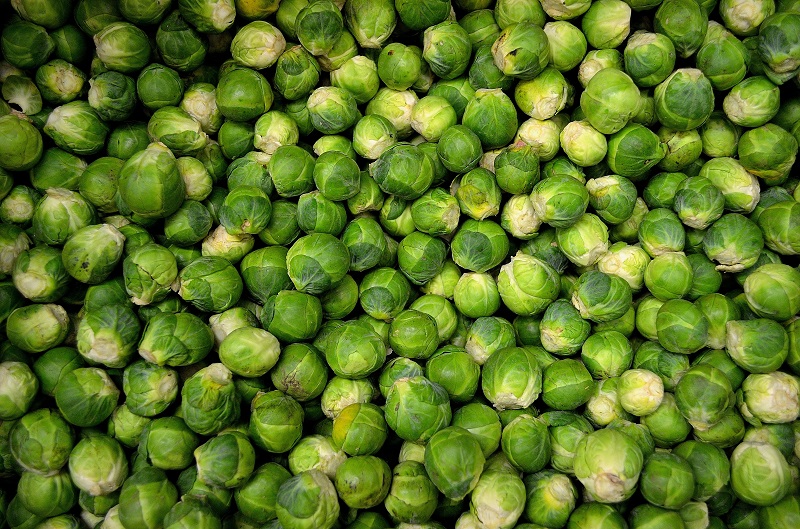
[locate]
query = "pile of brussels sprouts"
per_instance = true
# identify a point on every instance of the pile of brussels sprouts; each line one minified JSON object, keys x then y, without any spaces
{"x":420,"y":264}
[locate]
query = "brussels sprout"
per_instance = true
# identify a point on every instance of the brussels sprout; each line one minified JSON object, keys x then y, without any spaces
{"x":412,"y":497}
{"x":585,"y":241}
{"x":759,"y":473}
{"x":371,"y":23}
{"x":521,"y":50}
{"x":610,"y":100}
{"x":601,"y":297}
{"x":608,"y":464}
{"x":307,"y":500}
{"x":445,"y":447}
{"x":566,"y":385}
{"x":770,"y":291}
{"x":122,"y":47}
{"x":175,"y":339}
{"x":146,"y":497}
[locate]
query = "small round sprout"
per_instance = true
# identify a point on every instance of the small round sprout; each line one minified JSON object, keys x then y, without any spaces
{"x":566,"y":385}
{"x":758,"y":345}
{"x":601,"y":297}
{"x":359,"y":429}
{"x":526,"y":443}
{"x":640,"y":391}
{"x":313,"y":490}
{"x":454,"y":461}
{"x":760,"y":474}
{"x":559,"y":201}
{"x":521,"y":50}
{"x":610,"y":100}
{"x":498,"y":498}
{"x":608,"y":463}
{"x":649,"y":58}
{"x":772,"y":291}
{"x":567,"y":44}
{"x":771,"y":398}
{"x":492,"y":116}
{"x":373,"y":477}
{"x":511,"y":378}
{"x":583,"y":144}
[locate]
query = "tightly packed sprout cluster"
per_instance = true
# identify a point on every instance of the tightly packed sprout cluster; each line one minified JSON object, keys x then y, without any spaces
{"x":422,"y":264}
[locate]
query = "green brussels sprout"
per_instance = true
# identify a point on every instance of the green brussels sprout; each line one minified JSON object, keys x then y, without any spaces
{"x":649,"y":58}
{"x":249,"y":351}
{"x":86,"y":396}
{"x":450,"y":445}
{"x":669,"y":275}
{"x":243,"y":94}
{"x":559,"y":201}
{"x":566,"y":385}
{"x":276,"y":421}
{"x":315,"y":452}
{"x":108,"y":335}
{"x":18,"y":394}
{"x":683,"y":85}
{"x":522,"y":50}
{"x":667,"y":481}
{"x":226,"y":460}
{"x":46,"y":495}
{"x":739,"y":188}
{"x":551,"y":498}
{"x":394,"y":166}
{"x":58,"y":82}
{"x":332,"y":110}
{"x":479,"y":245}
{"x":610,"y":100}
{"x":771,"y":291}
{"x":752,"y":102}
{"x":601,"y":297}
{"x":487,"y":335}
{"x":776,"y":222}
{"x":684,"y":23}
{"x":608,"y":464}
{"x":97,"y":465}
{"x":634,"y":150}
{"x":583,"y":144}
{"x":175,"y":339}
{"x":661,"y":231}
{"x":149,"y":389}
{"x":734,"y":242}
{"x":757,"y":345}
{"x":209,"y":402}
{"x":200,"y":101}
{"x":359,"y":429}
{"x":770,"y":165}
{"x":596,"y":514}
{"x":40,"y":441}
{"x":417,"y":408}
{"x":146,"y":497}
{"x":307,"y":500}
{"x":498,"y":498}
{"x":607,"y":23}
{"x":371,"y":23}
{"x":759,"y":473}
{"x":511,"y":378}
{"x":122,"y":47}
{"x":412,"y":496}
{"x":527,"y":285}
{"x":420,"y":15}
{"x":316,"y":262}
{"x":37,"y":48}
{"x":39,"y":274}
{"x":567,"y":44}
{"x":153,"y":168}
{"x":74,"y":127}
{"x":585,"y":241}
{"x":476,"y":295}
{"x":180,"y":45}
{"x":606,"y":354}
{"x":256,"y":498}
{"x":355,"y":351}
{"x":491,"y":115}
{"x":757,"y":398}
{"x":158,"y":86}
{"x":698,"y":202}
{"x":683,"y":150}
{"x":483,"y":422}
{"x":211,"y":284}
{"x":777,"y":47}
